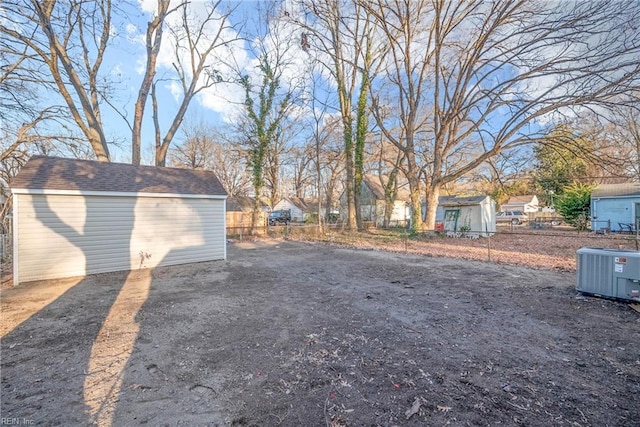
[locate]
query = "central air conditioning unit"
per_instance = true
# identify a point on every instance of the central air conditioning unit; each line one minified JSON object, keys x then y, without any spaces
{"x":610,"y":273}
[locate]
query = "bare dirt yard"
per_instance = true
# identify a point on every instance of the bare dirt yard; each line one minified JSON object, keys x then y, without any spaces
{"x":310,"y":334}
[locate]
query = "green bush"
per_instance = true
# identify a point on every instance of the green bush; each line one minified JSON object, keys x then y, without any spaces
{"x":574,"y":204}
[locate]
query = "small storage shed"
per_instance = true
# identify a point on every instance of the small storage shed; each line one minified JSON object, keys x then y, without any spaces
{"x":615,"y":206}
{"x":78,"y":217}
{"x":475,"y":215}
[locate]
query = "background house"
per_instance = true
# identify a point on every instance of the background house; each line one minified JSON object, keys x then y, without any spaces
{"x":525,"y":204}
{"x":372,"y":205}
{"x":301,"y":209}
{"x":476,"y":215}
{"x":78,"y":217}
{"x":615,"y":206}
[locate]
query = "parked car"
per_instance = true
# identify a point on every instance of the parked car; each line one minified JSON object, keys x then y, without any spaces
{"x":512,"y":217}
{"x":280,"y":217}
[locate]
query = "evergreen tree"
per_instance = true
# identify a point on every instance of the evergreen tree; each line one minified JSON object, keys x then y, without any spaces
{"x":574,"y":204}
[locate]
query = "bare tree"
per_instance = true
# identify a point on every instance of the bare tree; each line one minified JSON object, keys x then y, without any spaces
{"x":318,"y":139}
{"x":153,"y":40}
{"x":271,"y":90}
{"x":505,"y":175}
{"x":69,"y":39}
{"x":489,"y":76}
{"x":205,"y":148}
{"x":339,"y":33}
{"x":386,"y":161}
{"x":197,"y":37}
{"x":330,"y":163}
{"x":302,"y":159}
{"x":616,"y":135}
{"x":231,"y":169}
{"x":30,"y":124}
{"x":275,"y":158}
{"x":625,"y":130}
{"x":197,"y":150}
{"x":19,"y":141}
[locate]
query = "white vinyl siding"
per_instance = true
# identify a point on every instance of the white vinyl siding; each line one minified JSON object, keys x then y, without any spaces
{"x":75,"y":235}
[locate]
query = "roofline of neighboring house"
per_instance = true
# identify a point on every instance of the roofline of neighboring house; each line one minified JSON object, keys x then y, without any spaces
{"x":114,"y":194}
{"x":621,"y":196}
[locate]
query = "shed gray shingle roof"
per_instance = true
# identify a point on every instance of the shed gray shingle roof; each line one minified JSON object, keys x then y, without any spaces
{"x":55,"y":173}
{"x":460,"y":201}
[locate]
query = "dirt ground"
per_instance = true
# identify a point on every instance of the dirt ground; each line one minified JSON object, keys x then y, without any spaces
{"x":300,"y":334}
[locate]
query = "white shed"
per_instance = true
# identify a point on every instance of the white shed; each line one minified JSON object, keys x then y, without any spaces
{"x":78,"y":217}
{"x":475,"y":215}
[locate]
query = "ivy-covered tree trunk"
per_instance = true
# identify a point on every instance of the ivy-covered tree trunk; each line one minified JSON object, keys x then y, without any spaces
{"x":361,"y":133}
{"x":349,"y":171}
{"x":264,"y":124}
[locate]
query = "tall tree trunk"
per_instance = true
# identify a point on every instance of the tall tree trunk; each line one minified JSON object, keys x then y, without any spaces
{"x":432,"y":193}
{"x":153,"y":40}
{"x":349,"y":171}
{"x":390,"y":195}
{"x":361,"y":133}
{"x":89,"y":122}
{"x":413,"y":176}
{"x":255,"y":215}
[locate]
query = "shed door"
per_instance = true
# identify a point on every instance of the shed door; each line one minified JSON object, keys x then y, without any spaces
{"x":451,"y":219}
{"x":64,"y":236}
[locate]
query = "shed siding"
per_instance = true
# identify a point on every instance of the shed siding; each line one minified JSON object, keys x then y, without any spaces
{"x":480,"y":218}
{"x":613,"y":209}
{"x":73,"y":235}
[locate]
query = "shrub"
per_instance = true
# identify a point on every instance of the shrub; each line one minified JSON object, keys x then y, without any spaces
{"x":574,"y":204}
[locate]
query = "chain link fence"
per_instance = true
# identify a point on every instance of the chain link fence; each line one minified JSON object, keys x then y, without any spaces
{"x":550,"y":247}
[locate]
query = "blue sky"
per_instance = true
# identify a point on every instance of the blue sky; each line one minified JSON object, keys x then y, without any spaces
{"x":219,"y":106}
{"x":124,"y":61}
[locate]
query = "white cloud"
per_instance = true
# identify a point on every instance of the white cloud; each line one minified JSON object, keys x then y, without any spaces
{"x":131,"y":29}
{"x":221,"y":96}
{"x":134,"y":35}
{"x":148,"y":6}
{"x":224,"y":99}
{"x":176,"y":90}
